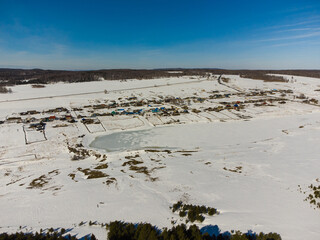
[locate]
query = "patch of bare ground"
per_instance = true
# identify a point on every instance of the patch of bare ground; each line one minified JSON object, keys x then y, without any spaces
{"x":186,"y":151}
{"x":155,"y":160}
{"x":43,"y":180}
{"x":137,"y":167}
{"x":91,"y":174}
{"x":132,"y":162}
{"x":17,"y":180}
{"x":110,"y":181}
{"x":235,"y":170}
{"x":39,"y":182}
{"x":80,"y":152}
{"x":157,"y":150}
{"x":102,"y":166}
{"x":95,"y":174}
{"x":72,"y":176}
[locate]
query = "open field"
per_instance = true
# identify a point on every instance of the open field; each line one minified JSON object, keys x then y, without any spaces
{"x":101,"y":151}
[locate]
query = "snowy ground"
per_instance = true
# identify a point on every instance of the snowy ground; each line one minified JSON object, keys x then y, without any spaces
{"x":254,"y":163}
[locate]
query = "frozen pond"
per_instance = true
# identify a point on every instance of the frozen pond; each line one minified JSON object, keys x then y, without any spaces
{"x":190,"y":136}
{"x":130,"y":140}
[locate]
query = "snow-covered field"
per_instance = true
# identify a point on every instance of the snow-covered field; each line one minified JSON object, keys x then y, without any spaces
{"x":246,"y":147}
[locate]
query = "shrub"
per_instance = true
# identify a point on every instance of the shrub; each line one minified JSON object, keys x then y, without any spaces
{"x":193,"y":212}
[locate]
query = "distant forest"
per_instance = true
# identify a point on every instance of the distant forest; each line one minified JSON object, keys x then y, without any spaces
{"x":9,"y":77}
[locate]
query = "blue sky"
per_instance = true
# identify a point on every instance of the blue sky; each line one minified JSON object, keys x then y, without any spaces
{"x":79,"y":34}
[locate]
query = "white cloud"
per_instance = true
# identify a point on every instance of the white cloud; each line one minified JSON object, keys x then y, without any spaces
{"x":301,"y":36}
{"x":297,"y":23}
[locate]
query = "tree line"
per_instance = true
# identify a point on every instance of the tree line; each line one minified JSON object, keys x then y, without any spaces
{"x":41,"y":236}
{"x":39,"y":76}
{"x":144,"y":231}
{"x":119,"y":230}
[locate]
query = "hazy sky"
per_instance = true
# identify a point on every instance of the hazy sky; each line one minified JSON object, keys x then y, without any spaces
{"x":94,"y":34}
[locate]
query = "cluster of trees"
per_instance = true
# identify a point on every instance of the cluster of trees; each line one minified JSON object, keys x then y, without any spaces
{"x":40,"y":236}
{"x":193,"y":212}
{"x":118,"y":230}
{"x":4,"y":89}
{"x":262,"y":73}
{"x":314,"y":195}
{"x":302,"y":73}
{"x":39,"y":76}
{"x":145,"y":231}
{"x":264,"y":77}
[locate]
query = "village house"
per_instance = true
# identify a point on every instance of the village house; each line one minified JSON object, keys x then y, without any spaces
{"x":14,"y":120}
